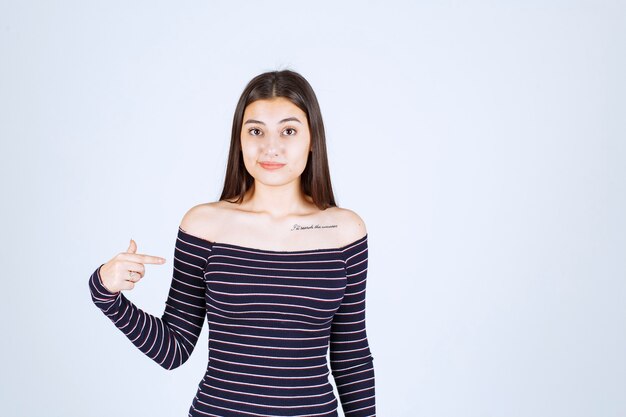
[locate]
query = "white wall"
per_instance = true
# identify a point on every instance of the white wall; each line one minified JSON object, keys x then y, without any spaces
{"x":483,"y":143}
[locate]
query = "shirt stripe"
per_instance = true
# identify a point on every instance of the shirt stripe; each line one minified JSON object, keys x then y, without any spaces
{"x":273,"y":316}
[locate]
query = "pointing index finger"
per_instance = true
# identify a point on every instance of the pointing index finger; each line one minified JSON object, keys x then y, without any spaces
{"x":146,"y":259}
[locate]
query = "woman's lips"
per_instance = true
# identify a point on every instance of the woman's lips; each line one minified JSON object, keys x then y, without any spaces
{"x":271,"y":166}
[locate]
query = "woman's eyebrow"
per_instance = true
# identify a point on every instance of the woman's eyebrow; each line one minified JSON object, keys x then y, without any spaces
{"x":288,"y":119}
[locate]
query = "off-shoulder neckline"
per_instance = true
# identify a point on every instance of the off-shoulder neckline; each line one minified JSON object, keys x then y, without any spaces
{"x":269,"y":251}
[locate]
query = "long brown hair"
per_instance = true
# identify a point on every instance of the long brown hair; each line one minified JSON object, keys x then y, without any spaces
{"x":315,"y":179}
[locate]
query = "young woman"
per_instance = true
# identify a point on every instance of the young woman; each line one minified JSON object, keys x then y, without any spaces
{"x":277,"y":269}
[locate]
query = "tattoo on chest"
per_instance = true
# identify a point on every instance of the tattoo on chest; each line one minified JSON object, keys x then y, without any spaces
{"x":297,"y":226}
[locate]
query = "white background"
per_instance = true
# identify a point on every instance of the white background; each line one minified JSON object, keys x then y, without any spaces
{"x":482,"y":142}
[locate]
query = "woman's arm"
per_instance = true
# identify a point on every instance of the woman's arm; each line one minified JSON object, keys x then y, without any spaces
{"x":170,"y":339}
{"x":350,"y":358}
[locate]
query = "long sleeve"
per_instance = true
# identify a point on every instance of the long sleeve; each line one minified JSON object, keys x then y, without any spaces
{"x":350,"y":358}
{"x":170,"y":339}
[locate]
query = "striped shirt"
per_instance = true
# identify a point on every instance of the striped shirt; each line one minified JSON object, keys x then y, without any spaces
{"x":272,"y":315}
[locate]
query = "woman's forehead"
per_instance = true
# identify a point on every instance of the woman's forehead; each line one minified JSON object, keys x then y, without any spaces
{"x":274,"y":110}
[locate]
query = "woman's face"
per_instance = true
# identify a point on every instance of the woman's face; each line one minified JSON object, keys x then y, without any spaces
{"x":275,"y":131}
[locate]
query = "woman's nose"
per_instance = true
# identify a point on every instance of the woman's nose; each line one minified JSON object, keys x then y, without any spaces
{"x":273,"y":143}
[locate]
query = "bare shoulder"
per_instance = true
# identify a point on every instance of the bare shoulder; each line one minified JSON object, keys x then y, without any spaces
{"x":352,"y":225}
{"x":200,"y":219}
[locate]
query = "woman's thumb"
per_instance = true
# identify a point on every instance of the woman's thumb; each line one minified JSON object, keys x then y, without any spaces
{"x":132,"y":248}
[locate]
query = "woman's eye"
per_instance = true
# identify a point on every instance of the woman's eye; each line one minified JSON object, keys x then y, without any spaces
{"x":292,"y":129}
{"x":253,"y":130}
